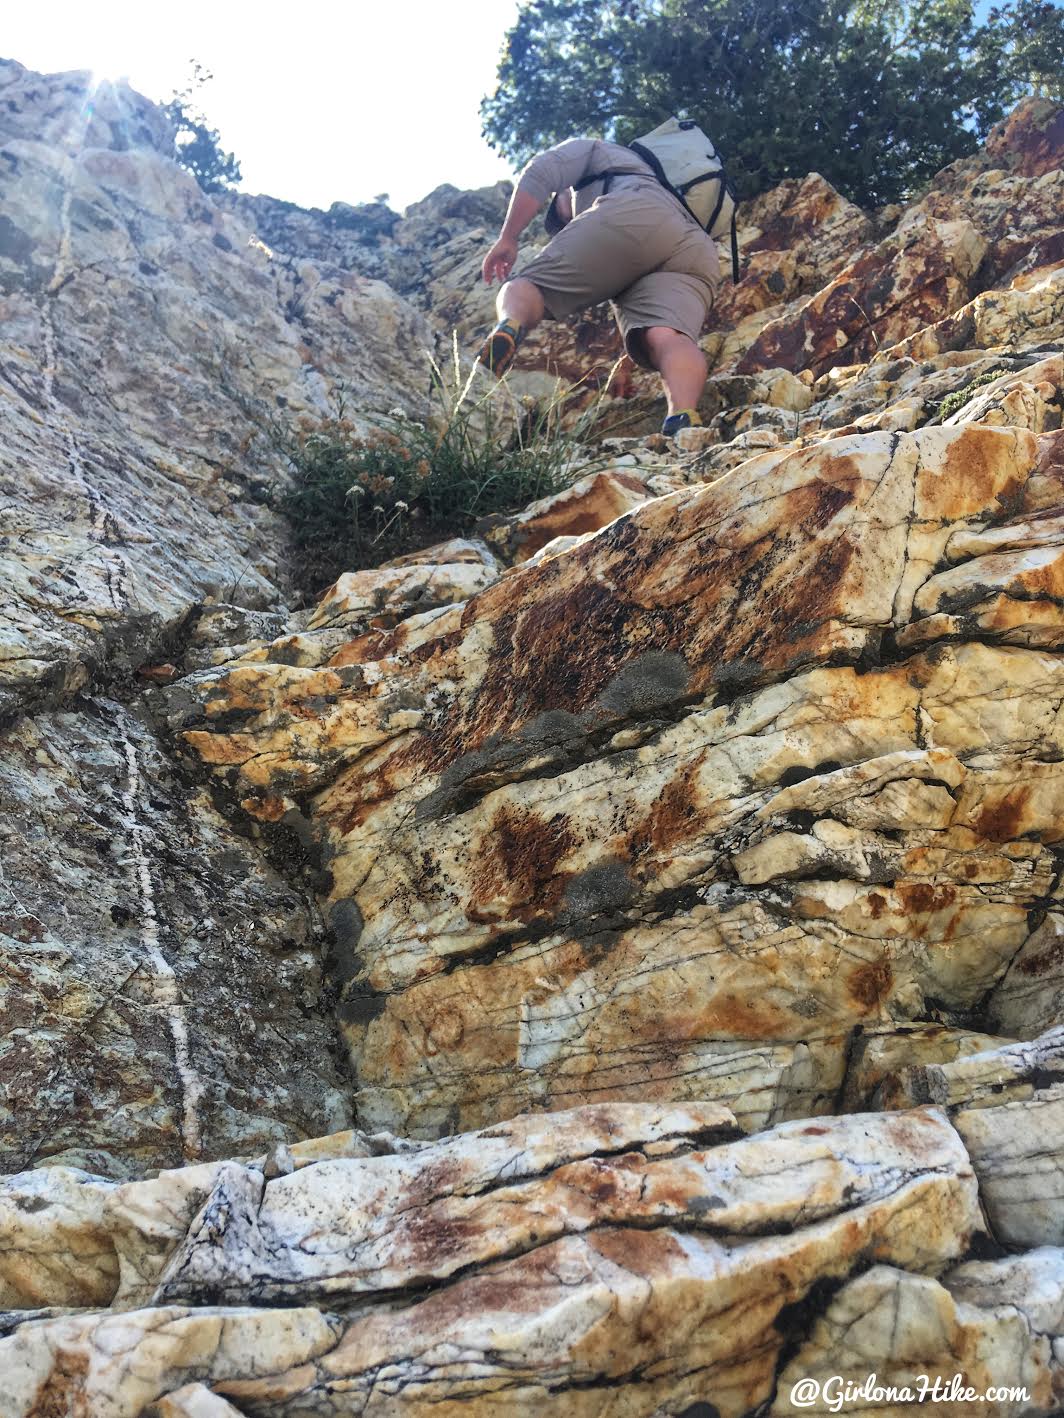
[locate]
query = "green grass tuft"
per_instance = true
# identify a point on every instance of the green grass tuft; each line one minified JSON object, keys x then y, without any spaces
{"x":357,"y":499}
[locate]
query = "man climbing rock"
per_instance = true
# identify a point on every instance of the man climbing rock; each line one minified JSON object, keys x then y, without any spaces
{"x":616,"y":234}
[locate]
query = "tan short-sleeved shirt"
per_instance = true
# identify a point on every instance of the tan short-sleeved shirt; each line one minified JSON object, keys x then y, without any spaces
{"x":571,"y":162}
{"x":633,"y":244}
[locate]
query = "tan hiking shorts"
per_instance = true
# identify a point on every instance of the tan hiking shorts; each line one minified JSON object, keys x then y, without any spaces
{"x":636,"y":247}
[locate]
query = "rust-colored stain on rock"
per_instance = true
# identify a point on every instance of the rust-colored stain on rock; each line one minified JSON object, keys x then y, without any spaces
{"x":675,"y":816}
{"x":517,"y":863}
{"x":1044,"y":962}
{"x":870,"y":984}
{"x":1001,"y":820}
{"x":924,"y":898}
{"x":732,"y":1017}
{"x":969,"y":478}
{"x":1030,"y":140}
{"x":603,"y":1180}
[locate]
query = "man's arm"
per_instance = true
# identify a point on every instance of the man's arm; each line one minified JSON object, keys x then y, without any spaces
{"x":552,"y":171}
{"x":500,"y":259}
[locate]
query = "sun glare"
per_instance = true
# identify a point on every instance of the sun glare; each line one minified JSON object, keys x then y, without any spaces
{"x":285,"y":145}
{"x":109,"y":74}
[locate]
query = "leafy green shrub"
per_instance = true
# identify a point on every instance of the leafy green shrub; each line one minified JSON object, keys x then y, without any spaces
{"x":357,"y":499}
{"x":876,"y":97}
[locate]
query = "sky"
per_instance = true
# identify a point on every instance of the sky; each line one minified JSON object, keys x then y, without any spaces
{"x":320,"y":102}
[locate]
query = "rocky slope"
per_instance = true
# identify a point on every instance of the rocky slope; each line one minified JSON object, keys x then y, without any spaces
{"x":611,"y":964}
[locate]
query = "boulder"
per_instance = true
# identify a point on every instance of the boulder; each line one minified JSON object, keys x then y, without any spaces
{"x":1030,"y":997}
{"x":890,"y":1341}
{"x":1017,"y":1150}
{"x":793,"y":239}
{"x":545,"y":1265}
{"x":1031,"y":140}
{"x":589,"y":504}
{"x":382,"y":598}
{"x":1030,"y":313}
{"x":883,"y":1066}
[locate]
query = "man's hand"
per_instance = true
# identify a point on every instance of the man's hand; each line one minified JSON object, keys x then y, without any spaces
{"x":499,"y":261}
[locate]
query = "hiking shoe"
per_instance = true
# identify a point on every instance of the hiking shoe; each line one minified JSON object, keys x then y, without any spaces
{"x":685,"y":418}
{"x":498,"y":350}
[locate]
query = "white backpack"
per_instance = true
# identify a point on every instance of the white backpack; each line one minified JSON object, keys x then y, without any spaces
{"x":686,"y":162}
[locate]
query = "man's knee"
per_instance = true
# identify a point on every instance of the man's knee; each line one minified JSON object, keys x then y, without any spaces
{"x":521,"y":299}
{"x":664,"y":339}
{"x":665,"y":345}
{"x":659,"y":338}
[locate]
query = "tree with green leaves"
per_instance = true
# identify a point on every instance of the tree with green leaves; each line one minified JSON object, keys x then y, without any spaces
{"x":198,"y":146}
{"x":876,"y":95}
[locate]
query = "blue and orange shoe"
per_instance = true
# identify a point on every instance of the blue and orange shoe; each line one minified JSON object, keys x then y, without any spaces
{"x":498,"y":350}
{"x":683,"y":418}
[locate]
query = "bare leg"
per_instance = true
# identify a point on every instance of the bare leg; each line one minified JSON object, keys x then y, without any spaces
{"x":520,"y":308}
{"x":681,"y":364}
{"x":520,"y":301}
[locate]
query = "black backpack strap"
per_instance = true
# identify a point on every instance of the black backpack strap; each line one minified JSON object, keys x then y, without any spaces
{"x":609,"y":173}
{"x":723,"y":190}
{"x":651,"y":160}
{"x":734,"y":252}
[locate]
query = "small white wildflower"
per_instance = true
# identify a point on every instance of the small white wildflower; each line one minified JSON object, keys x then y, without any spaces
{"x":379,"y":510}
{"x":355,"y":490}
{"x":397,"y":413}
{"x":401,"y":506}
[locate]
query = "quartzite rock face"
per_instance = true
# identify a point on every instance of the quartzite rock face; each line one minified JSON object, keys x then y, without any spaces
{"x":1029,"y":312}
{"x":1030,"y":140}
{"x":589,"y":504}
{"x":721,"y":792}
{"x":992,"y":1326}
{"x":160,"y":983}
{"x":607,"y":832}
{"x":146,"y":334}
{"x":645,"y":1256}
{"x":975,"y":230}
{"x":918,"y":275}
